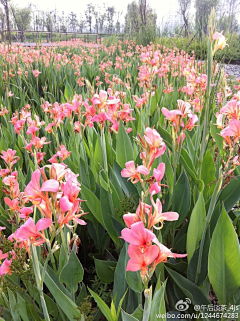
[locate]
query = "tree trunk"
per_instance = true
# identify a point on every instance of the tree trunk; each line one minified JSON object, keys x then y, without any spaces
{"x":5,"y":5}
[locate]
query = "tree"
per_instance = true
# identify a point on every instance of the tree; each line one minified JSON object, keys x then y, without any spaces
{"x":110,"y":18}
{"x":184,"y":6}
{"x":143,"y":11}
{"x":227,"y":15}
{"x":203,"y":9}
{"x":72,"y":21}
{"x":132,"y":18}
{"x":2,"y":22}
{"x":89,"y":15}
{"x":22,"y":18}
{"x":6,"y":8}
{"x":140,"y":17}
{"x":81,"y":23}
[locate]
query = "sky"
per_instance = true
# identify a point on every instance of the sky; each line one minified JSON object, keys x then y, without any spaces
{"x":160,"y":6}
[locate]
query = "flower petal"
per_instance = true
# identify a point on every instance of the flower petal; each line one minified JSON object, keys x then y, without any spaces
{"x":51,"y":185}
{"x":43,"y":223}
{"x":65,"y":204}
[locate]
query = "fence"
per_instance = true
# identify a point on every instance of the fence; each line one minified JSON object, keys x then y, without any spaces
{"x":45,"y":36}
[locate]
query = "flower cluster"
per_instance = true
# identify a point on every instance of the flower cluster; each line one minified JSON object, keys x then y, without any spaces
{"x":152,"y":147}
{"x":228,"y":120}
{"x":101,"y":108}
{"x":144,"y":255}
{"x":53,"y":190}
{"x":181,"y":119}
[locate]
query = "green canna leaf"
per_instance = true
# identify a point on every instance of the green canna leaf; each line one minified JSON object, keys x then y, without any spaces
{"x":196,"y":226}
{"x":224,"y":260}
{"x":124,"y":148}
{"x":72,"y":273}
{"x":105,"y":270}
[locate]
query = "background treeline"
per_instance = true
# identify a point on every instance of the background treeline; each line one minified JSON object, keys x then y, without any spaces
{"x":141,"y":21}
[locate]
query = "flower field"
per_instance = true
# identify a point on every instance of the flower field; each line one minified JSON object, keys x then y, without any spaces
{"x":119,"y":179}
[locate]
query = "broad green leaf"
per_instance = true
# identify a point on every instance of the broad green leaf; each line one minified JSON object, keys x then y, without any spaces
{"x":190,"y":289}
{"x":98,"y":155}
{"x":224,"y":260}
{"x":128,"y":317}
{"x":22,"y":308}
{"x":158,"y":303}
{"x":208,"y":175}
{"x":107,"y":210}
{"x":138,"y":313}
{"x":120,"y":284}
{"x":124,"y":148}
{"x":215,"y":133}
{"x":102,"y":306}
{"x":181,"y":198}
{"x":105,"y":270}
{"x":13,"y":306}
{"x":92,"y":203}
{"x":72,"y":273}
{"x":192,"y":272}
{"x":196,"y":226}
{"x":166,"y":137}
{"x":68,"y":92}
{"x":230,"y":194}
{"x":66,"y":304}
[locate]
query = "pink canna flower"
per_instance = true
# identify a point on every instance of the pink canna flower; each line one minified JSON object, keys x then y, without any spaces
{"x":220,"y":41}
{"x":172,"y":115}
{"x":30,"y":231}
{"x":51,"y":185}
{"x":36,"y":73}
{"x":5,"y":267}
{"x":153,"y":139}
{"x":233,"y":129}
{"x":158,"y":216}
{"x":133,"y":173}
{"x":13,"y":204}
{"x":101,"y":118}
{"x":100,"y":99}
{"x":33,"y":189}
{"x":38,"y":143}
{"x":138,"y":235}
{"x":40,"y":157}
{"x":71,"y":216}
{"x":158,"y":172}
{"x":70,"y":194}
{"x":140,"y":261}
{"x":63,"y":153}
{"x":142,"y":210}
{"x":154,"y":188}
{"x":191,"y":122}
{"x":164,"y":253}
{"x":130,"y":219}
{"x":3,"y":256}
{"x":25,"y":212}
{"x":9,"y":157}
{"x":32,"y":130}
{"x":231,"y":109}
{"x":4,"y":172}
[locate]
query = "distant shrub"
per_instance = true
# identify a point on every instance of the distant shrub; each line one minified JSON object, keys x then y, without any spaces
{"x":230,"y":54}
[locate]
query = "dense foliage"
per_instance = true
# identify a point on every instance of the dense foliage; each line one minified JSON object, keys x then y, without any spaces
{"x":229,"y":54}
{"x":119,"y":179}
